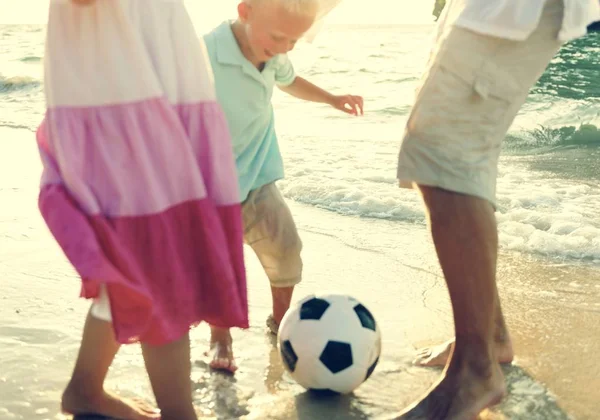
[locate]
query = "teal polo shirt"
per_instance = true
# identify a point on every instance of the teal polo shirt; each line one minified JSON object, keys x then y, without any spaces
{"x":245,"y":95}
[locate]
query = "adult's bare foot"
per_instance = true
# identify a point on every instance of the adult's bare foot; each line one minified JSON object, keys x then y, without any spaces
{"x":76,"y":401}
{"x":462,"y":394}
{"x":221,"y":350}
{"x":438,"y":355}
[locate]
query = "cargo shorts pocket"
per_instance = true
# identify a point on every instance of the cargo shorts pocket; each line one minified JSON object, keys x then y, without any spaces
{"x":463,"y":103}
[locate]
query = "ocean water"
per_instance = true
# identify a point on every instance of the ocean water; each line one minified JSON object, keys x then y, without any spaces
{"x":340,"y":171}
{"x":548,"y":189}
{"x":548,"y":192}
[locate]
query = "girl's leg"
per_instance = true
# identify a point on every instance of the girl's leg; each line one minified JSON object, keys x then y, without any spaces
{"x":169,"y":368}
{"x":85,"y":392}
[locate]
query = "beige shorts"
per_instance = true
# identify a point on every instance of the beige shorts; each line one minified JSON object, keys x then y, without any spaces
{"x":468,"y":98}
{"x":271,"y":232}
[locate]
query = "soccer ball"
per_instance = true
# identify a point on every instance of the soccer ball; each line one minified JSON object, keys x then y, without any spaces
{"x":329,"y":343}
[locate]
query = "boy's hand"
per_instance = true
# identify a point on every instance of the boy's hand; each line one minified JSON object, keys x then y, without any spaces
{"x":350,"y":104}
{"x":303,"y":89}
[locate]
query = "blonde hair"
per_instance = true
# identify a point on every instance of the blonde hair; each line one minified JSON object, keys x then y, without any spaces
{"x":301,"y":7}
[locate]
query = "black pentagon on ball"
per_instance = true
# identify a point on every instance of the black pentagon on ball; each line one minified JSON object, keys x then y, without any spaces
{"x":313,"y":308}
{"x":371,"y":368}
{"x":336,"y":356}
{"x":289,"y":355}
{"x":367,"y":320}
{"x":323,"y":393}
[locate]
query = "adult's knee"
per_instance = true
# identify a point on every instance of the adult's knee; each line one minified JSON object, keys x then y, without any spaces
{"x":448,"y":207}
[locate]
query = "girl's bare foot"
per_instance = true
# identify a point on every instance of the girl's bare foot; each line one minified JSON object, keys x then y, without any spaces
{"x":221,"y":350}
{"x":438,"y":355}
{"x":76,"y":400}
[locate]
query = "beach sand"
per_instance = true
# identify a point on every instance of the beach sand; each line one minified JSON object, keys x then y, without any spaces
{"x":552,"y":310}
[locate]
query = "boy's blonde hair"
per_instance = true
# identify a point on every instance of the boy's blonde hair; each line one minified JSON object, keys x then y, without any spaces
{"x":301,"y":7}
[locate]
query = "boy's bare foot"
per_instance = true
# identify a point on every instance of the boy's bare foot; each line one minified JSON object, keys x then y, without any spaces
{"x":463,"y":393}
{"x":221,"y":350}
{"x":76,"y":400}
{"x":438,"y":355}
{"x":272,"y":325}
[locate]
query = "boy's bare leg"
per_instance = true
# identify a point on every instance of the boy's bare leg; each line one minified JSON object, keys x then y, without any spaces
{"x":439,"y":354}
{"x":221,"y":343}
{"x":221,"y":350}
{"x":282,"y":299}
{"x":85,"y":392}
{"x":466,"y":239}
{"x":169,"y":369}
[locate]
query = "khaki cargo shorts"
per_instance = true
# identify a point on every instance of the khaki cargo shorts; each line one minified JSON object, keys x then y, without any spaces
{"x":271,"y":232}
{"x":468,"y":98}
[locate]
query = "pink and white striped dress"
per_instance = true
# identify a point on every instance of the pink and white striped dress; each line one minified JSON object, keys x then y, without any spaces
{"x":139,"y":185}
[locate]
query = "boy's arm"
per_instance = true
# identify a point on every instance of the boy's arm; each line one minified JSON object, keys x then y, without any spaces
{"x":303,"y":89}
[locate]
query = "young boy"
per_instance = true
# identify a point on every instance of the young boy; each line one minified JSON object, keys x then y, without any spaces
{"x":248,"y":57}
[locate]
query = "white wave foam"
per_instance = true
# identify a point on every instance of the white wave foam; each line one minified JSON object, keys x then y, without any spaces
{"x":548,"y":216}
{"x":356,"y":177}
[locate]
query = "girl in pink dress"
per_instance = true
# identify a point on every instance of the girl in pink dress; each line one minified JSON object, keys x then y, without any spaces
{"x":139,"y":189}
